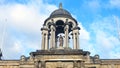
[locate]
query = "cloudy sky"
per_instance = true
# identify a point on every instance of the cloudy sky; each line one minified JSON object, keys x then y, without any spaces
{"x":21,"y":20}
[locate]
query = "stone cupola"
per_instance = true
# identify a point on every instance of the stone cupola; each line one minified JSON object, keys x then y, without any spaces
{"x":59,"y":23}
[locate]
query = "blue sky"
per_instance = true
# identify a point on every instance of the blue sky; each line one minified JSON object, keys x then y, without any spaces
{"x":21,"y":20}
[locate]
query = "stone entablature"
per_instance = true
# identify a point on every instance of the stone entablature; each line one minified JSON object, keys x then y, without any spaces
{"x":110,"y":61}
{"x":9,"y":62}
{"x":58,"y":55}
{"x":53,"y":63}
{"x":59,"y":52}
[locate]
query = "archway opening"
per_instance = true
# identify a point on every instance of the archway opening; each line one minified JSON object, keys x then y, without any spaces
{"x":59,"y":27}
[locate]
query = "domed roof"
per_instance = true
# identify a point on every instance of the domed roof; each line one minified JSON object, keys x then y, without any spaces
{"x":60,"y":12}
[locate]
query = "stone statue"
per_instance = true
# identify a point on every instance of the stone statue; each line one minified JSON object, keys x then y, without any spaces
{"x":61,"y":41}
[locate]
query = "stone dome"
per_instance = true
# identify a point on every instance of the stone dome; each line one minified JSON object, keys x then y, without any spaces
{"x":60,"y":12}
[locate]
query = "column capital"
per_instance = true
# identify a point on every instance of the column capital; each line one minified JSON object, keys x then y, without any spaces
{"x":66,"y":27}
{"x":52,"y":27}
{"x":66,"y":22}
{"x":52,"y":22}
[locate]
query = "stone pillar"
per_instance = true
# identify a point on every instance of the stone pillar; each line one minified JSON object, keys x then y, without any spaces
{"x":56,"y":40}
{"x":88,"y":57}
{"x":52,"y":38}
{"x":75,"y":64}
{"x":46,"y":41}
{"x":43,"y":41}
{"x":76,"y":39}
{"x":82,"y":65}
{"x":42,"y":64}
{"x":36,"y":64}
{"x":66,"y":36}
{"x":44,"y":45}
{"x":79,"y":64}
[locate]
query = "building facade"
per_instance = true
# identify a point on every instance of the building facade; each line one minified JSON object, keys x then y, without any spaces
{"x":56,"y":52}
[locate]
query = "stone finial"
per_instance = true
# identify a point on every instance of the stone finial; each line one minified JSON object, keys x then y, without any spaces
{"x":60,"y":6}
{"x":23,"y":58}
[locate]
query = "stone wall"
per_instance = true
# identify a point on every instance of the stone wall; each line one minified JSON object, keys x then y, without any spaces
{"x":60,"y":59}
{"x":106,"y":63}
{"x":9,"y":64}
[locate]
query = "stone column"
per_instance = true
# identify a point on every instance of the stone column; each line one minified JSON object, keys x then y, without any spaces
{"x":82,"y":64}
{"x":56,"y":40}
{"x":74,"y":41}
{"x":75,"y":64}
{"x":46,"y":41}
{"x":44,"y":45}
{"x":36,"y":64}
{"x":77,"y":38}
{"x":42,"y":64}
{"x":66,"y":36}
{"x":88,"y":57}
{"x":79,"y":64}
{"x":52,"y":38}
{"x":43,"y":41}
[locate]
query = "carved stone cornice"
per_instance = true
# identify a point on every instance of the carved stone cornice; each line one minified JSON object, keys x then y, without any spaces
{"x":60,"y":52}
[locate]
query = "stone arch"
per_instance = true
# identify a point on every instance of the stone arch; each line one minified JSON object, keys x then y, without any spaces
{"x":59,"y":27}
{"x":48,"y":24}
{"x":74,"y":24}
{"x":59,"y":22}
{"x":70,"y":26}
{"x":59,"y":18}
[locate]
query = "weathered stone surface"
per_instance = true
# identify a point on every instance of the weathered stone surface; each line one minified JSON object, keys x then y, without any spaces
{"x":59,"y":52}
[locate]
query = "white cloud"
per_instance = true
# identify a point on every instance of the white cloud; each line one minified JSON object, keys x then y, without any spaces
{"x":115,"y":55}
{"x":106,"y":39}
{"x":117,"y":21}
{"x":102,"y":38}
{"x":22,"y":26}
{"x":94,"y":5}
{"x":84,"y":34}
{"x":85,"y":39}
{"x":17,"y":47}
{"x":115,"y":3}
